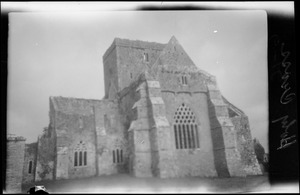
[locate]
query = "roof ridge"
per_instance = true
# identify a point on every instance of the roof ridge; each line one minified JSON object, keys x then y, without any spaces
{"x":75,"y":98}
{"x":133,"y":43}
{"x":136,"y":40}
{"x":232,"y":106}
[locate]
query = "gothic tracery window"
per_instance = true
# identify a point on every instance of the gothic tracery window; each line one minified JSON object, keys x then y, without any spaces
{"x":80,"y":155}
{"x":185,"y":128}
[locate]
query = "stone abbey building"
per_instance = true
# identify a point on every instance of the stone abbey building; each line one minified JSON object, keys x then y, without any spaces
{"x":161,"y":116}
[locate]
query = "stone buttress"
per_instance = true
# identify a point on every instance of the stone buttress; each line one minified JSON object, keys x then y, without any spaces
{"x":150,"y":134}
{"x":227,"y":158}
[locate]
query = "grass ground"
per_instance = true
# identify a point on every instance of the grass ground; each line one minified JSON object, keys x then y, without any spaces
{"x":123,"y":183}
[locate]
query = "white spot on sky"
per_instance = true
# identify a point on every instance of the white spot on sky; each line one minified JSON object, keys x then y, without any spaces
{"x":215,"y":31}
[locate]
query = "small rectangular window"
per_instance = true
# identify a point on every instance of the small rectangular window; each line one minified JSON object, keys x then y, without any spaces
{"x":117,"y":156}
{"x":30,"y":167}
{"x":80,"y":158}
{"x":197,"y":136}
{"x":85,"y":158}
{"x":121,"y":156}
{"x":114,"y":157}
{"x":184,"y":80}
{"x":146,"y":57}
{"x":75,"y":159}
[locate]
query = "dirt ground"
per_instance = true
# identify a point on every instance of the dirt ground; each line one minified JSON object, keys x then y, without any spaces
{"x":123,"y":183}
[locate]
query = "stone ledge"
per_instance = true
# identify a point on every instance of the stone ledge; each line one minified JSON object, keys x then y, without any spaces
{"x":157,"y":100}
{"x":16,"y":138}
{"x":153,"y":84}
{"x":160,"y":122}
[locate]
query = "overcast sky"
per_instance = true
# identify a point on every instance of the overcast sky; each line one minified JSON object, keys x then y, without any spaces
{"x":59,"y":54}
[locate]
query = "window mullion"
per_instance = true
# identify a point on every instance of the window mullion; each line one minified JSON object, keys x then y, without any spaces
{"x":197,"y":136}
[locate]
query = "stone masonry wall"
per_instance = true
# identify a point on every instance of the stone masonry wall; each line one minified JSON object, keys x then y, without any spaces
{"x":110,"y":139}
{"x":190,"y":162}
{"x":133,"y":112}
{"x":14,"y":164}
{"x":227,"y":158}
{"x":124,"y":60}
{"x":75,"y":131}
{"x":245,"y":145}
{"x":110,"y":73}
{"x":161,"y":143}
{"x":131,"y":63}
{"x":45,"y":156}
{"x":29,"y":163}
{"x":98,"y":125}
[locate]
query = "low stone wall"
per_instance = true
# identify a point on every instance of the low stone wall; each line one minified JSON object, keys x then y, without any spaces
{"x":14,"y":164}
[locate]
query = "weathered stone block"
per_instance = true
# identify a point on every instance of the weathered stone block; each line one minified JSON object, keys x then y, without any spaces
{"x":215,"y":95}
{"x":158,"y":110}
{"x":221,"y":111}
{"x":212,"y":87}
{"x":142,"y":164}
{"x":14,"y":164}
{"x":234,"y":163}
{"x":153,"y":84}
{"x":217,"y":102}
{"x":141,"y":141}
{"x":154,"y":92}
{"x":164,"y":141}
{"x":142,"y":102}
{"x":142,"y":86}
{"x":142,"y":112}
{"x":167,"y":167}
{"x":62,"y":163}
{"x":140,"y":124}
{"x":161,"y":121}
{"x":217,"y":138}
{"x":221,"y":163}
{"x":229,"y":137}
{"x":62,"y":141}
{"x":156,"y":100}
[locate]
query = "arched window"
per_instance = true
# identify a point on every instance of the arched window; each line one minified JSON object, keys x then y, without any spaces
{"x":185,"y":128}
{"x":80,"y":155}
{"x":30,"y":167}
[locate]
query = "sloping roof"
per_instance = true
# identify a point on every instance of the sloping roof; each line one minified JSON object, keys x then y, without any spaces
{"x":174,"y":54}
{"x":232,"y":107}
{"x":139,"y":44}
